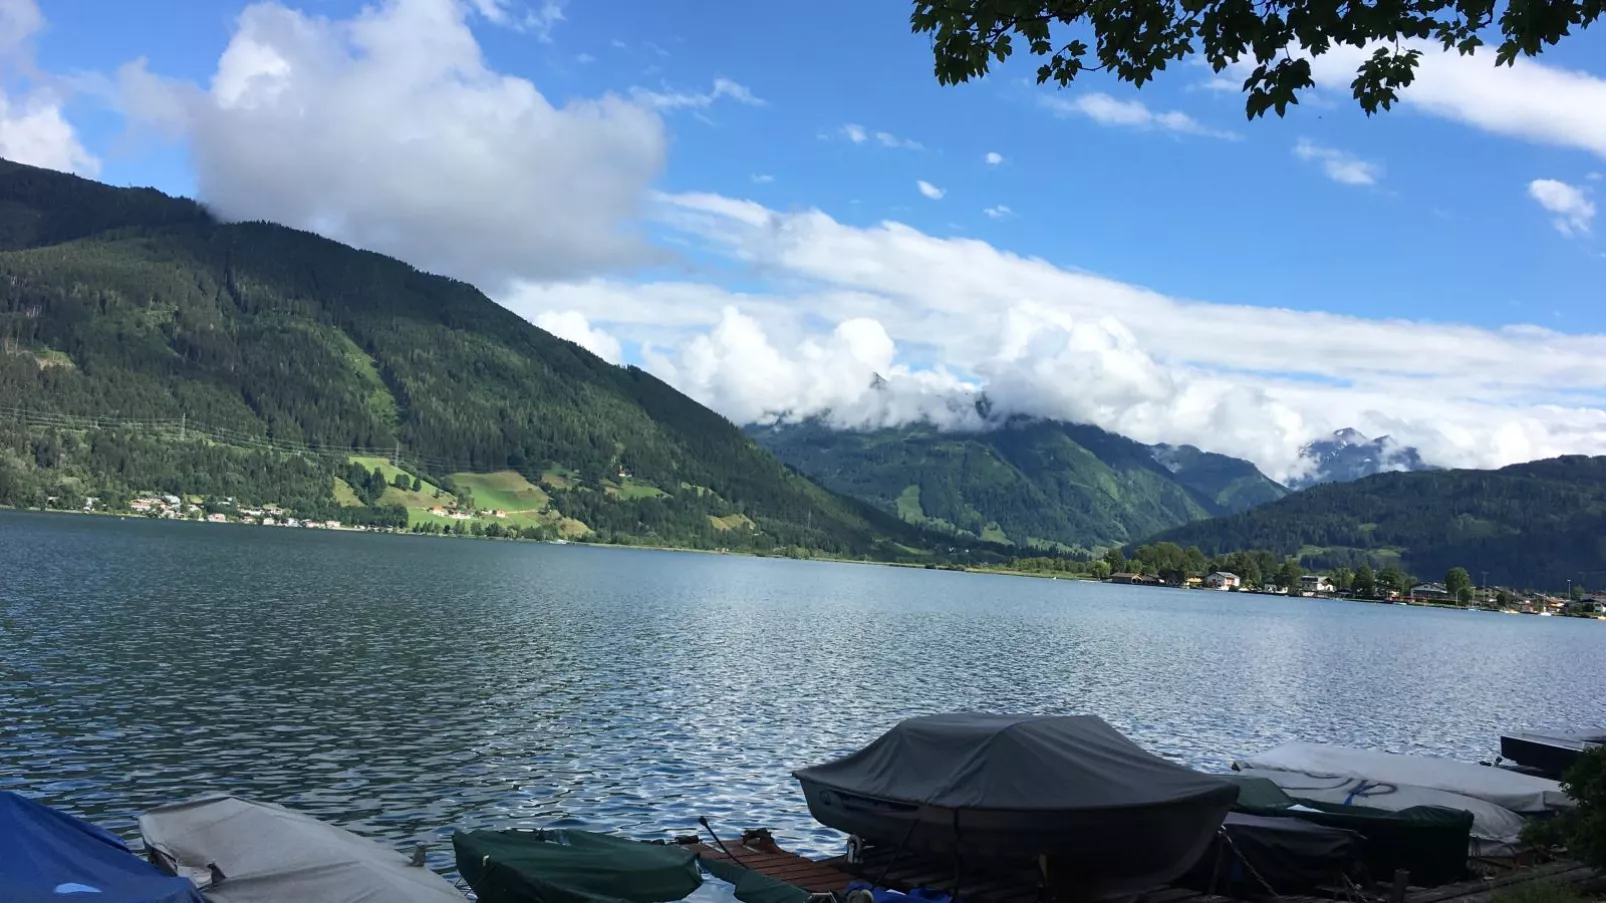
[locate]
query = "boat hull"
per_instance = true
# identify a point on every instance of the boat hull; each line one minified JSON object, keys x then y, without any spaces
{"x":1550,"y":754}
{"x":1098,"y":852}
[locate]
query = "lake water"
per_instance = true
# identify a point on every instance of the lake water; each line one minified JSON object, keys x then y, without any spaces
{"x":407,"y":686}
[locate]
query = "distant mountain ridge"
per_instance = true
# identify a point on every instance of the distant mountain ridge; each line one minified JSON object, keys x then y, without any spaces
{"x":1540,"y":524}
{"x":1349,"y":455}
{"x":1034,"y":483}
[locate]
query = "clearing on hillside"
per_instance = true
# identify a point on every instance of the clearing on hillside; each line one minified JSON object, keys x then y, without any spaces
{"x":505,"y":490}
{"x":345,"y":496}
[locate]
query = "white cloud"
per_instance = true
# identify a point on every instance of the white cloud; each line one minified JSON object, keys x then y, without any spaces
{"x":574,"y":326}
{"x":858,"y":134}
{"x":1106,"y":110}
{"x":1573,"y":209}
{"x":33,"y":128}
{"x":1340,"y":166}
{"x":960,"y":317}
{"x":762,"y":178}
{"x":389,"y":131}
{"x":674,"y":100}
{"x":993,"y":158}
{"x":998,"y":212}
{"x":584,"y":58}
{"x":539,"y":20}
{"x":929,"y":190}
{"x":1529,"y":100}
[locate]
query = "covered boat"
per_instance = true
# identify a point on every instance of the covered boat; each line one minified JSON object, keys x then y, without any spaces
{"x":1428,"y":841}
{"x":1495,"y":830}
{"x":1550,"y":753}
{"x":1255,"y":855}
{"x":49,"y":855}
{"x":262,"y":853}
{"x":1518,"y":792}
{"x":564,"y":866}
{"x":1108,"y":816}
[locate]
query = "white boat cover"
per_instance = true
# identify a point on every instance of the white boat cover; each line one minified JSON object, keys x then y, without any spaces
{"x":1518,"y":792}
{"x":270,"y":854}
{"x":1495,"y":829}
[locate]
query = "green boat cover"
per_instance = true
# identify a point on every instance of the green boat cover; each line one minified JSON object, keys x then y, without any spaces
{"x":1428,"y":841}
{"x":753,"y":887}
{"x":565,"y":866}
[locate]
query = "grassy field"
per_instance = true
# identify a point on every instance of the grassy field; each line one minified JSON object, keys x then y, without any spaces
{"x":558,"y":477}
{"x":344,"y":496}
{"x":629,"y":489}
{"x":909,"y":504}
{"x":505,"y":490}
{"x":731,"y":522}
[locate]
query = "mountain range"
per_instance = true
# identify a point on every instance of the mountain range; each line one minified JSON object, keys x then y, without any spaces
{"x":144,"y":346}
{"x":1348,"y":455}
{"x":1540,"y":524}
{"x":1036,"y":484}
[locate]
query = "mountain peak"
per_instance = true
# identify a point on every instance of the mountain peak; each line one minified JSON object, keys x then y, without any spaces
{"x":1349,"y":455}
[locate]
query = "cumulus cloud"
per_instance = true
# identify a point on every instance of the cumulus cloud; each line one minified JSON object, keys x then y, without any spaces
{"x":674,"y":100}
{"x":1341,"y":166}
{"x":929,"y":190}
{"x":1106,"y":110}
{"x":997,"y":212}
{"x":33,"y":127}
{"x":573,"y":325}
{"x":761,"y":178}
{"x":962,"y":318}
{"x":1573,"y":209}
{"x":389,"y":131}
{"x":993,"y":158}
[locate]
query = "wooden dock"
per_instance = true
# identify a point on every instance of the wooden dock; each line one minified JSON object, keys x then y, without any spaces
{"x":756,"y":851}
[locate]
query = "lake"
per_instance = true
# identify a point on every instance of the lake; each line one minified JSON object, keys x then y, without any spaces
{"x":406,"y":686}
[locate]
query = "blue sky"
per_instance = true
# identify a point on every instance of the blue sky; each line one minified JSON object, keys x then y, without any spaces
{"x":758,"y":268}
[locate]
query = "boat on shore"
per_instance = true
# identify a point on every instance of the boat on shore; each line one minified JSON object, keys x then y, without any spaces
{"x":1068,"y":793}
{"x":50,"y":855}
{"x":1549,"y":752}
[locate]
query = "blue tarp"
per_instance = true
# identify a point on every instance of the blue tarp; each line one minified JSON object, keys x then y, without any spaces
{"x":48,"y":856}
{"x":887,"y":895}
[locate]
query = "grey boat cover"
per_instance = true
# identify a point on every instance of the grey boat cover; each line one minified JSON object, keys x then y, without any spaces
{"x":270,"y":854}
{"x":1013,"y":763}
{"x":1518,"y":792}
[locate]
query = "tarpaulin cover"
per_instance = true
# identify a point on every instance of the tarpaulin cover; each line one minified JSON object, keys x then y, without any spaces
{"x":1012,"y":762}
{"x":270,"y":854}
{"x":47,"y":855}
{"x":1517,"y":792}
{"x":754,"y":887}
{"x":1430,"y":842}
{"x":1496,"y":831}
{"x":564,"y":866}
{"x":1254,"y":855}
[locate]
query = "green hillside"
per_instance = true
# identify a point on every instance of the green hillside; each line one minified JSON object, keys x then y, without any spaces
{"x":1036,"y":484}
{"x":146,"y":347}
{"x":1537,"y":525}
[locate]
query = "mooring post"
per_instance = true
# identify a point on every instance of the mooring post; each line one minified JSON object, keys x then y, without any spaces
{"x":418,"y":855}
{"x":1402,"y":880}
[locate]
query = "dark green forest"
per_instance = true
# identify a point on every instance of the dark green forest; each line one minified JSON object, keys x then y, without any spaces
{"x":1536,"y":525}
{"x":128,"y":304}
{"x":1034,"y":483}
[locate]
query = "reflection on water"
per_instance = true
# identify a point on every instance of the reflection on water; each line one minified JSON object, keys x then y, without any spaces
{"x":408,"y":686}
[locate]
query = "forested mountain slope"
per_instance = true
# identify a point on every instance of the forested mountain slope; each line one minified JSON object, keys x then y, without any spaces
{"x":130,"y":305}
{"x":1034,"y":483}
{"x":1539,"y":524}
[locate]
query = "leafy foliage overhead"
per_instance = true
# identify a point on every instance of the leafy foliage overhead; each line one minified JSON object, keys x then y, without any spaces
{"x":1134,"y":39}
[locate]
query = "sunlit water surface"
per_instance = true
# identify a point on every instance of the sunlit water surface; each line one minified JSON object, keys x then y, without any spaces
{"x":406,"y":687}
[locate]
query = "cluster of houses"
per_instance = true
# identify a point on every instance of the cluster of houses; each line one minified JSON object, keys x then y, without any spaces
{"x":459,"y":514}
{"x":1321,"y":586}
{"x":172,"y":507}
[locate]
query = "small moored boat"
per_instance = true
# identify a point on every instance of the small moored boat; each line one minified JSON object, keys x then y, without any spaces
{"x":1070,"y":794}
{"x":262,"y":853}
{"x":565,"y":866}
{"x":1550,"y":753}
{"x":52,"y":856}
{"x":1520,"y":793}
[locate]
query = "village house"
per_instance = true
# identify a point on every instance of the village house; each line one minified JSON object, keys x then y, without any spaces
{"x":1315,"y":583}
{"x":438,"y":511}
{"x":1274,"y":589}
{"x":499,"y":513}
{"x":1135,"y":579}
{"x":1223,"y":580}
{"x":217,"y":518}
{"x":1432,"y":591}
{"x":90,"y":502}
